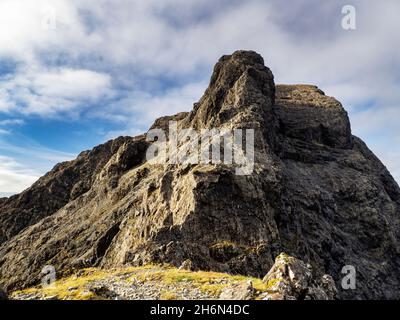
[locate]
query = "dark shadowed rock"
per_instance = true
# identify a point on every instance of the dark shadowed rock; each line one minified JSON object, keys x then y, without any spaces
{"x":316,"y":192}
{"x":3,"y":295}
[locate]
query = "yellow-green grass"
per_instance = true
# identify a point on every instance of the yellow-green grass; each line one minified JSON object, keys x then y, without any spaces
{"x":62,"y":288}
{"x":207,"y":281}
{"x":74,"y":287}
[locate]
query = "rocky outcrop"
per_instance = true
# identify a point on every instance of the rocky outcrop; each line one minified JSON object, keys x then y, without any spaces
{"x":315,"y":192}
{"x":291,"y":279}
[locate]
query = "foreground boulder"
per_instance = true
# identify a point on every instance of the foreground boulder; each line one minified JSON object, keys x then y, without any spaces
{"x":291,"y":279}
{"x":315,"y":191}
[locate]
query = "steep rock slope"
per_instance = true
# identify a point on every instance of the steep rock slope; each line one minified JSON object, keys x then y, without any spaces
{"x":316,"y":192}
{"x":64,"y":183}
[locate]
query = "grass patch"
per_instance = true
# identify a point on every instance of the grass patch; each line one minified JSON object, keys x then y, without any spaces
{"x":75,"y":287}
{"x":207,"y":281}
{"x":168,"y":296}
{"x":61,"y":288}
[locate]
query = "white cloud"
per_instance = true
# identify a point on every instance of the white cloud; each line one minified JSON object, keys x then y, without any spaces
{"x":48,"y":92}
{"x":24,"y":31}
{"x":70,"y":84}
{"x":14,"y":177}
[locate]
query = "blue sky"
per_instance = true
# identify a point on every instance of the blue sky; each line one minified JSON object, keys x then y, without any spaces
{"x":75,"y":73}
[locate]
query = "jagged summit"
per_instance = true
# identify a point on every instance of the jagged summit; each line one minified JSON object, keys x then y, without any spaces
{"x":316,"y":192}
{"x":238,"y":81}
{"x":244,"y":57}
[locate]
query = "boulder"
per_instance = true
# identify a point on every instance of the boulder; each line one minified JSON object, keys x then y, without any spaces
{"x":241,"y":291}
{"x":292,"y":279}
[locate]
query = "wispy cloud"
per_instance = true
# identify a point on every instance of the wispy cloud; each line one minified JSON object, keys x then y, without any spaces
{"x":139,"y":108}
{"x":14,"y":177}
{"x":32,"y":154}
{"x":11,"y":122}
{"x":23,"y":161}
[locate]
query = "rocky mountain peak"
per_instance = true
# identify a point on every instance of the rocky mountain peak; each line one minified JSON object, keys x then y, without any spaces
{"x":316,"y":192}
{"x":240,"y":82}
{"x":230,"y":68}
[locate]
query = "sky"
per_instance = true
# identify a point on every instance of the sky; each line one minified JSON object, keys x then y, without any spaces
{"x":76,"y":73}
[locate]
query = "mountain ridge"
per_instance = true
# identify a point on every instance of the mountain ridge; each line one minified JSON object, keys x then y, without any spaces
{"x":316,"y":192}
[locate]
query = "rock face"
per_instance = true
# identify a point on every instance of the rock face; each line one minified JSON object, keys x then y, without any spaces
{"x":315,"y":192}
{"x":66,"y":182}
